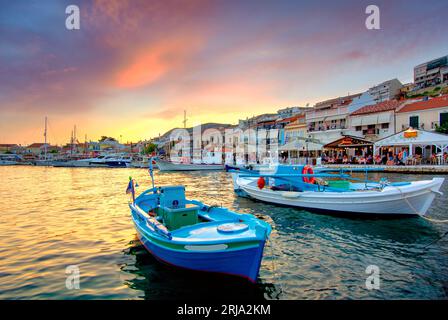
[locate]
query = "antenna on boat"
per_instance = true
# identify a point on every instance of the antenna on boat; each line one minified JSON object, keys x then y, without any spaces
{"x":151,"y":171}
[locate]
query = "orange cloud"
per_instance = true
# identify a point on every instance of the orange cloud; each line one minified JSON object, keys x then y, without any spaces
{"x":154,"y":61}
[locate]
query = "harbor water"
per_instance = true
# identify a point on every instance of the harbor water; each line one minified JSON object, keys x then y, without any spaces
{"x":53,"y":218}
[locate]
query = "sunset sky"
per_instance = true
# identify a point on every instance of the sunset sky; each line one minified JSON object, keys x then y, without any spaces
{"x":135,"y":65}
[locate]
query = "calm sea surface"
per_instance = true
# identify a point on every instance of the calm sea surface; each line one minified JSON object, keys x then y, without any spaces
{"x":52,"y":218}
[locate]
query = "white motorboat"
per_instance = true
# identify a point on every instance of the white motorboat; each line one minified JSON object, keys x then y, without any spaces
{"x":11,"y":160}
{"x":105,"y":161}
{"x":340,"y":196}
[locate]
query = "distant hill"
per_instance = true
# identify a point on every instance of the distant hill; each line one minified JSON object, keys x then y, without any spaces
{"x":210,"y":125}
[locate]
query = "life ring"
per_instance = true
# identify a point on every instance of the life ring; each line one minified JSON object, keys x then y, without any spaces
{"x":261,"y":183}
{"x":308,"y":170}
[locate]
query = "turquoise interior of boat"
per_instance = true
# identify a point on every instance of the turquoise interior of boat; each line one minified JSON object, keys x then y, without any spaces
{"x":291,"y":178}
{"x":185,"y":219}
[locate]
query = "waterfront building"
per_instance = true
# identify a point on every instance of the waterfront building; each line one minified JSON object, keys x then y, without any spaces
{"x":291,"y":111}
{"x":10,"y":148}
{"x":374,"y":122}
{"x":295,"y":129}
{"x":37,"y":148}
{"x":431,"y":73}
{"x":387,"y":90}
{"x":328,"y":120}
{"x":426,"y":114}
{"x":406,"y":89}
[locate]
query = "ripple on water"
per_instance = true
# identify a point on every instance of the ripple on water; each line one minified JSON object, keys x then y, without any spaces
{"x":56,"y":217}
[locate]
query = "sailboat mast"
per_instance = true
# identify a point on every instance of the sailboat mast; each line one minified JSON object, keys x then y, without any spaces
{"x":45,"y":136}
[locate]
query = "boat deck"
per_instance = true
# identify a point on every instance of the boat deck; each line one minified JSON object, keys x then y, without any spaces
{"x":209,"y":232}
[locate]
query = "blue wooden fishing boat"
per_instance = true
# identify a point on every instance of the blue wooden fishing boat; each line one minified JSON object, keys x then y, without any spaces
{"x":192,"y":235}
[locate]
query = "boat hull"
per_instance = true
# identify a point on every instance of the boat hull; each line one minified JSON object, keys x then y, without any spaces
{"x":243,"y":262}
{"x":169,"y":166}
{"x":404,"y":200}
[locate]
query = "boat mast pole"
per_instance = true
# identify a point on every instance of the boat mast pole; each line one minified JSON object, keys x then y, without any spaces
{"x":45,"y":136}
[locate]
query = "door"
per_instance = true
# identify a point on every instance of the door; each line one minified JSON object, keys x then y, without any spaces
{"x":443,"y":119}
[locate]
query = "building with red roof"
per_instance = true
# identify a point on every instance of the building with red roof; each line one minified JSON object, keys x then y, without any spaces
{"x":375,"y":121}
{"x":426,"y":114}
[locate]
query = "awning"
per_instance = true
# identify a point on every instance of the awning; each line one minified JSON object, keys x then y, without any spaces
{"x":301,"y":145}
{"x":349,"y":142}
{"x":316,"y":119}
{"x":356,"y":121}
{"x":384,"y":117}
{"x":370,"y":119}
{"x":336,"y":117}
{"x":433,"y":71}
{"x":418,"y":137}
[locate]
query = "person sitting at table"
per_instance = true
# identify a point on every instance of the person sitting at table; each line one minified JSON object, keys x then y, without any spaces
{"x":433,"y":159}
{"x":390,"y":161}
{"x":404,"y":156}
{"x":344,"y":159}
{"x":378,"y":159}
{"x":398,"y":161}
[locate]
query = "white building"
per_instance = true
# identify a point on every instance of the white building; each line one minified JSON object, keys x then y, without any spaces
{"x":431,"y":73}
{"x":374,"y":122}
{"x":387,"y":90}
{"x":425,"y":114}
{"x":328,"y":120}
{"x":291,"y":111}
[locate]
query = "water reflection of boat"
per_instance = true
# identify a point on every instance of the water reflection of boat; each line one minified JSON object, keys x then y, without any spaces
{"x":158,"y":282}
{"x":192,"y":235}
{"x":299,"y":186}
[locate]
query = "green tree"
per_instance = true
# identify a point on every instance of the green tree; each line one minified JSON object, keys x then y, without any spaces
{"x":150,"y":148}
{"x":443,"y":128}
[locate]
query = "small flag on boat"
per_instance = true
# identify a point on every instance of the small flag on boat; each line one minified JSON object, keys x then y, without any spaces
{"x":130,"y":188}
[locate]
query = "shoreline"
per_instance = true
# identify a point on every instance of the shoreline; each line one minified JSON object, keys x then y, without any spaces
{"x":422,"y":169}
{"x":395,"y":169}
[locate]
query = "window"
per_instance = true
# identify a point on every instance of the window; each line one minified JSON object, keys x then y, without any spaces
{"x":413,"y":122}
{"x":384,"y":126}
{"x":358,"y":128}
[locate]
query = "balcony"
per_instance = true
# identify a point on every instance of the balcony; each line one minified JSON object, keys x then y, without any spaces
{"x":326,"y":128}
{"x":310,"y":115}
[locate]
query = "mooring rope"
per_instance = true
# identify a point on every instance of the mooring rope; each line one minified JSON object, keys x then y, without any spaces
{"x":274,"y":267}
{"x":415,"y":210}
